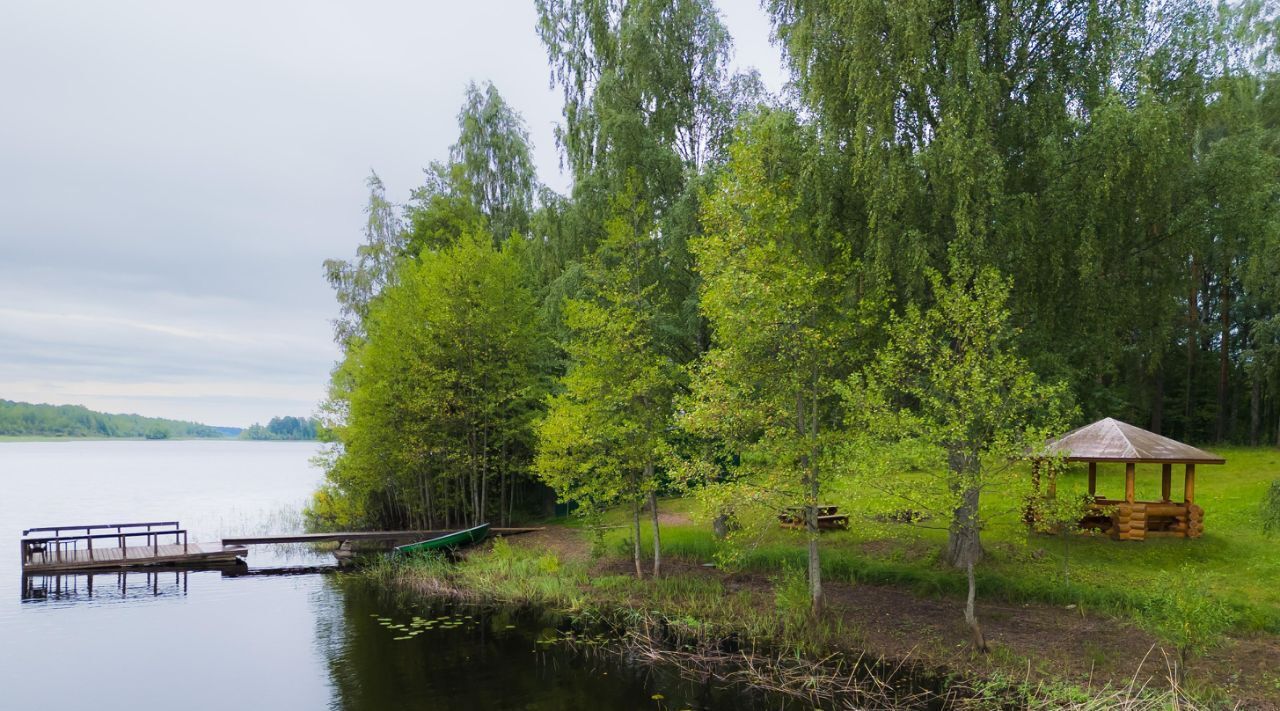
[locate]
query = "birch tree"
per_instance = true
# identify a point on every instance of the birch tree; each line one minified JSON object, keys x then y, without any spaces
{"x":950,"y":389}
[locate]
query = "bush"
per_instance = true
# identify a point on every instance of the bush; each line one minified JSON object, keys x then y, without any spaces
{"x":1271,"y":508}
{"x":1184,"y":614}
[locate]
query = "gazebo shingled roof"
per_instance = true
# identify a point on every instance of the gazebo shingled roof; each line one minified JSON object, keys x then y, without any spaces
{"x":1110,"y":440}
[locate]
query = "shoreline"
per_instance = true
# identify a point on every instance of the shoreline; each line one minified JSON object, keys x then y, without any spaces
{"x":1043,"y":656}
{"x":68,"y":438}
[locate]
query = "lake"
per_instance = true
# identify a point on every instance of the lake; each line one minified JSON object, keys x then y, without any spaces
{"x":202,"y":640}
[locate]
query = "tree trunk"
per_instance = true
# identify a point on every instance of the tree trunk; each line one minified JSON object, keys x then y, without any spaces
{"x":963,"y":543}
{"x":815,"y":576}
{"x":811,"y":528}
{"x":657,"y":538}
{"x":511,"y":499}
{"x":1157,"y":401}
{"x":720,"y":526}
{"x":1193,"y":344}
{"x":502,"y":495}
{"x":636,"y":535}
{"x":484,"y":478}
{"x":1255,"y":411}
{"x":970,"y":613}
{"x":815,"y":564}
{"x":1224,"y":358}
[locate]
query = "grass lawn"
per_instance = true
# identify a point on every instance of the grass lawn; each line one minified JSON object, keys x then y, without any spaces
{"x":1235,"y":562}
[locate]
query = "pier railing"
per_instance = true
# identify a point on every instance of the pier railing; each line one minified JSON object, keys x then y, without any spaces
{"x":60,"y":544}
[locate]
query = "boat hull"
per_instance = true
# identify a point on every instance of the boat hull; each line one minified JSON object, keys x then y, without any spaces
{"x":457,"y":539}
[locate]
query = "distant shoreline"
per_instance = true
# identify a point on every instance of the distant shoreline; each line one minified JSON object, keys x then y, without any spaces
{"x":72,"y":438}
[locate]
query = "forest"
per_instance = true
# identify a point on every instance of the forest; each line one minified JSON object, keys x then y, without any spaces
{"x":24,"y":419}
{"x":283,"y":428}
{"x":960,"y":228}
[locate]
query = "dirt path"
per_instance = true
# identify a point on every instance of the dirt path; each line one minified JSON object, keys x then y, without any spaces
{"x":1034,"y":641}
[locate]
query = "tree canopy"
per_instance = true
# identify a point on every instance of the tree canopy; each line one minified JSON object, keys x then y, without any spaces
{"x":962,"y":226}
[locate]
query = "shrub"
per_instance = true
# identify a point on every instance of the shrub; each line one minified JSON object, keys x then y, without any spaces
{"x":1184,"y":613}
{"x":1271,"y":508}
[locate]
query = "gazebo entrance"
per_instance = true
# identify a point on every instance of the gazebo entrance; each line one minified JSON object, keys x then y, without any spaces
{"x":1128,"y":519}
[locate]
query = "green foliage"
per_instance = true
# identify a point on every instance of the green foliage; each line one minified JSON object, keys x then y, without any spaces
{"x":1184,"y":613}
{"x":649,"y":108}
{"x":702,"y":305}
{"x":1062,"y":515}
{"x":284,"y":428}
{"x":1113,"y":159}
{"x":789,"y":310}
{"x":644,"y":87}
{"x":444,"y":393}
{"x":950,"y":390}
{"x":494,"y":162}
{"x":22,"y":419}
{"x":355,"y":283}
{"x":1271,"y":508}
{"x":791,"y":594}
{"x":949,"y":393}
{"x":607,"y":429}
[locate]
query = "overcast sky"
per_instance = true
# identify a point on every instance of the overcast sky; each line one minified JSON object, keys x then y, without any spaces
{"x":173,"y":174}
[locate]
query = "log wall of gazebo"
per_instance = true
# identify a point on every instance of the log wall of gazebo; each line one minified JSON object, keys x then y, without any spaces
{"x":1128,"y":519}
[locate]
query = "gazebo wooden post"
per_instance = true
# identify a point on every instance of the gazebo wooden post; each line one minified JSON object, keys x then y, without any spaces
{"x":1166,"y":482}
{"x":1093,"y":478}
{"x":1189,"y":484}
{"x":1053,"y":481}
{"x":1129,"y":476}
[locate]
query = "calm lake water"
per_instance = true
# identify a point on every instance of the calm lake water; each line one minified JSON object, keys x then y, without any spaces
{"x":202,"y":640}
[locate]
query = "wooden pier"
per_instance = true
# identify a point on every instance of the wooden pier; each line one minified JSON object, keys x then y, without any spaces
{"x":357,"y":536}
{"x":124,"y":546}
{"x":114,"y":546}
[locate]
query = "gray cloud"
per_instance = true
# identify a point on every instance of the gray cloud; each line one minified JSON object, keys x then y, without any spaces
{"x":173,"y":174}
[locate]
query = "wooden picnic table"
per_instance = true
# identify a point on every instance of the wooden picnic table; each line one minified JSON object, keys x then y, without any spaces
{"x":828,"y":517}
{"x":823,"y":509}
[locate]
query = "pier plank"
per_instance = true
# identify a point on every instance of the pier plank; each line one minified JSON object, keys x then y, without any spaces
{"x":134,"y":556}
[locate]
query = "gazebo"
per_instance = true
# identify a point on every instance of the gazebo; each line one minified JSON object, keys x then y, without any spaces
{"x":1112,"y":441}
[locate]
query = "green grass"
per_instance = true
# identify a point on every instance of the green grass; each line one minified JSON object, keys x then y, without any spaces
{"x":1235,"y":561}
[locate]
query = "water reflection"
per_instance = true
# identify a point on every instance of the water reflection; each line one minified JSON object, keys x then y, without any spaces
{"x":388,"y":652}
{"x":100,"y":587}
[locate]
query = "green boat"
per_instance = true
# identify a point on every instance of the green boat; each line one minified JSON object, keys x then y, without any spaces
{"x":457,"y":539}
